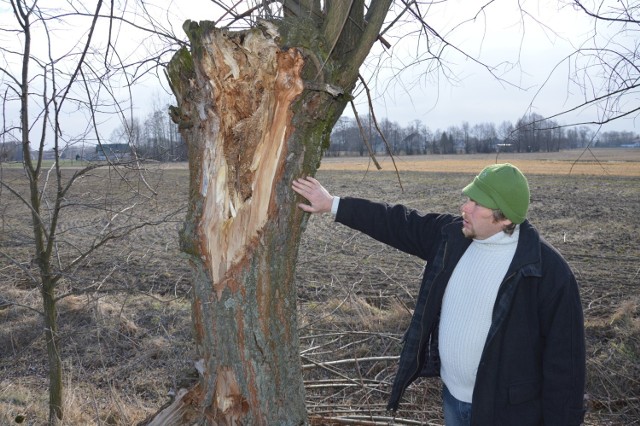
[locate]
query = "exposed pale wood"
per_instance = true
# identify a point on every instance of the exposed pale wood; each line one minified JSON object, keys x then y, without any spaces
{"x":256,"y":83}
{"x":178,"y":412}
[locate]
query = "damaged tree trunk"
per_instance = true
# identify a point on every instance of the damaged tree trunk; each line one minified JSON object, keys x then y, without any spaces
{"x":235,"y":116}
{"x":255,"y":115}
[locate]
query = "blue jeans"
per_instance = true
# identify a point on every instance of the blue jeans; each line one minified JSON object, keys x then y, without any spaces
{"x":456,"y":413}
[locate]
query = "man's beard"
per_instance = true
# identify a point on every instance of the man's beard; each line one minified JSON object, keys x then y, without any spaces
{"x":469,"y":234}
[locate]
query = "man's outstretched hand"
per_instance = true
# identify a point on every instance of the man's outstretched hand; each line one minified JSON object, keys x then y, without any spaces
{"x":319,"y":198}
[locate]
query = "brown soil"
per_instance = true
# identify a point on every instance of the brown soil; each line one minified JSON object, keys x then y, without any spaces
{"x":126,"y":327}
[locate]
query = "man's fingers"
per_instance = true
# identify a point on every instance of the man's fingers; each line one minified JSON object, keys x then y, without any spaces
{"x":312,"y":181}
{"x":304,"y":186}
{"x":304,"y":183}
{"x":301,"y":190}
{"x":314,"y":193}
{"x":306,"y":207}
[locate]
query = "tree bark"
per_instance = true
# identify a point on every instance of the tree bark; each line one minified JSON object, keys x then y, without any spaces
{"x":242,"y":233}
{"x":254,"y":116}
{"x":53,"y":352}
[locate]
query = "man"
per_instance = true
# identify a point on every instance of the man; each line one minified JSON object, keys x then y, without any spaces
{"x":498,"y":316}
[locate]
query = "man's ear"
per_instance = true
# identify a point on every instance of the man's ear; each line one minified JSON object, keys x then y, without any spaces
{"x":505,"y":223}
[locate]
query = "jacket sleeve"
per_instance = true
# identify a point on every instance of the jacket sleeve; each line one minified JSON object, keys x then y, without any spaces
{"x":398,"y":226}
{"x":564,"y":365}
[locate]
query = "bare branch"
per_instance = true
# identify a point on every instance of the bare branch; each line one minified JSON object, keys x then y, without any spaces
{"x":335,"y":21}
{"x":365,"y":138}
{"x":23,"y":268}
{"x":80,"y":62}
{"x":375,"y":121}
{"x":622,"y":15}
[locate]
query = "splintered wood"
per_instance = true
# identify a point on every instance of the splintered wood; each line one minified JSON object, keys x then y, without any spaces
{"x":228,"y":398}
{"x":253,"y":84}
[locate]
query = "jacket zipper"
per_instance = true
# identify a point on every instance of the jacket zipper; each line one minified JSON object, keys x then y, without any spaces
{"x":492,"y":332}
{"x":424,"y":309}
{"x":513,"y":274}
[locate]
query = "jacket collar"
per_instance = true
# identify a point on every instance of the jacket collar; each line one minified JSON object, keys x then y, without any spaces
{"x":527,"y":256}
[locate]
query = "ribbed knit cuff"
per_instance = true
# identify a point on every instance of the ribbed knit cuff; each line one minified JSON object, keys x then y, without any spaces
{"x":334,"y":205}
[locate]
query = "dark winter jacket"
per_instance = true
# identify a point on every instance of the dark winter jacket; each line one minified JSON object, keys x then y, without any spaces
{"x":532,"y":369}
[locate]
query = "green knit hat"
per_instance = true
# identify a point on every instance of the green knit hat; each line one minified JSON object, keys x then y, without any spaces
{"x":503,"y":187}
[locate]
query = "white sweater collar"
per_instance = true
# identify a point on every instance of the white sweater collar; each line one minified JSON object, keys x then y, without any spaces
{"x":501,"y":238}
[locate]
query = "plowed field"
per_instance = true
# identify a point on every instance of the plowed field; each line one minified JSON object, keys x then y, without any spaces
{"x":126,"y":329}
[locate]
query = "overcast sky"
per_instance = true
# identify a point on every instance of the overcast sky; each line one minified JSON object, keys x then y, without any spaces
{"x":525,"y":51}
{"x":527,"y":48}
{"x":530,"y":52}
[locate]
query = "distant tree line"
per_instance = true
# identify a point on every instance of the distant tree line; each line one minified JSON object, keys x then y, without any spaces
{"x":531,"y":133}
{"x":157,"y":138}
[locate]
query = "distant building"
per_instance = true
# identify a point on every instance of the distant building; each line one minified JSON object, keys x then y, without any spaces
{"x":77,"y":153}
{"x":113,"y":152}
{"x":505,"y":147}
{"x":48,"y":154}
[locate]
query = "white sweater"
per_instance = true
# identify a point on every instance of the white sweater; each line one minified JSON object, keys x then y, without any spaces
{"x":467,"y":308}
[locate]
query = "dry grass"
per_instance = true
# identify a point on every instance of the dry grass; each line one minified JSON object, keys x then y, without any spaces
{"x":614,"y":162}
{"x":127,"y":342}
{"x":121,"y":358}
{"x":615,"y":359}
